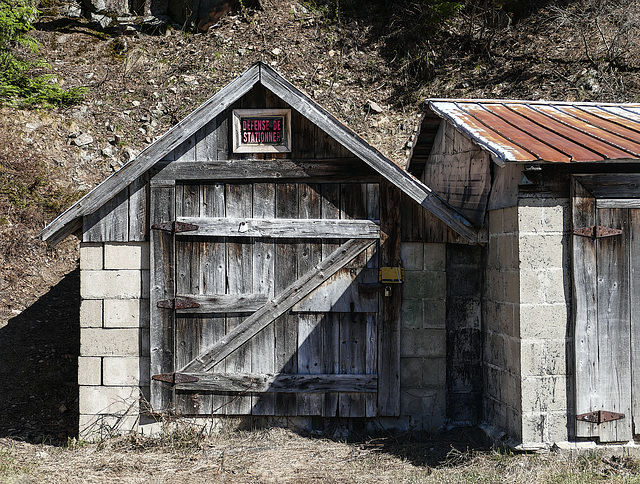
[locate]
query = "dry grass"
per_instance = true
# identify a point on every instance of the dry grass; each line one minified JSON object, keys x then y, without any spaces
{"x":279,"y":455}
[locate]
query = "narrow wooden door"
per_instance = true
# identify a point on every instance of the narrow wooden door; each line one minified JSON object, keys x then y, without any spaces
{"x":606,"y":265}
{"x":256,"y":307}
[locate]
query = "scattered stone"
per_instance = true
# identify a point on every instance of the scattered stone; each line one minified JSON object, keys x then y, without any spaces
{"x":129,"y":154}
{"x":109,"y":151}
{"x":276,"y":51}
{"x":373,"y":107}
{"x":32,"y":126}
{"x":242,"y":51}
{"x":83,"y":139}
{"x":103,"y":21}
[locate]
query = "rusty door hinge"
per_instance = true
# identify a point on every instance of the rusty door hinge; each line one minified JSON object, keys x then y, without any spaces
{"x":174,"y":378}
{"x":597,"y":232}
{"x":175,"y":227}
{"x":177,"y":303}
{"x":600,"y":416}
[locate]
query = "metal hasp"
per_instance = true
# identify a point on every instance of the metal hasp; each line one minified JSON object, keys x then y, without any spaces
{"x":597,"y":232}
{"x":600,"y":416}
{"x":177,"y":303}
{"x":174,"y":378}
{"x":391,"y":275}
{"x":175,"y":227}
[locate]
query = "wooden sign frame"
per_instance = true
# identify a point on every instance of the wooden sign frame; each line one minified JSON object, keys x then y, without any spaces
{"x":241,"y":145}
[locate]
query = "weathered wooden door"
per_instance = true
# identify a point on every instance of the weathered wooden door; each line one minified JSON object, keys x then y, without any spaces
{"x":256,"y":307}
{"x":606,"y":268}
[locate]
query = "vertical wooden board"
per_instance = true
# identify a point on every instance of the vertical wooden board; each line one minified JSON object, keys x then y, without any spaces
{"x":207,"y":142}
{"x":309,"y":255}
{"x":310,"y":359}
{"x":585,"y":299}
{"x":614,"y":325}
{"x":110,"y":223}
{"x":303,"y":135}
{"x":330,"y":209}
{"x":263,"y":344}
{"x":162,"y":287}
{"x":353,"y":347}
{"x":331,"y":354}
{"x":389,"y":327}
{"x":222,"y":136}
{"x":239,"y":281}
{"x":634,"y":259}
{"x":138,"y":198}
{"x":353,"y":205}
{"x":371,"y":361}
{"x":187,"y":150}
{"x":286,"y":326}
{"x":412,"y":220}
{"x":373,"y":213}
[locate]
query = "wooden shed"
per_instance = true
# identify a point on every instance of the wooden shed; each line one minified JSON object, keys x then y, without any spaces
{"x":556,"y":186}
{"x":250,"y":262}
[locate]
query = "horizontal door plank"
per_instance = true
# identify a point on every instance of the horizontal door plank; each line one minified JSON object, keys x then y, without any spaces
{"x":224,"y":303}
{"x":263,"y":169}
{"x":283,"y":228}
{"x":280,"y":383}
{"x":618,"y":202}
{"x":277,"y":306}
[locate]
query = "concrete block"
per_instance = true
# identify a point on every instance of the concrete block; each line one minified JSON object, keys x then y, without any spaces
{"x":435,"y":373}
{"x":543,"y":357}
{"x":546,"y":321}
{"x":541,"y":394}
{"x":145,"y":342}
{"x":94,"y":428}
{"x":422,"y":403}
{"x":508,"y":252}
{"x":91,"y":256}
{"x":423,"y":343}
{"x":495,"y":222}
{"x":411,"y":370}
{"x":556,"y":218}
{"x":435,"y":313}
{"x":556,"y":286}
{"x":510,"y":220}
{"x":424,"y":285}
{"x":89,"y":370}
{"x":126,"y":313}
{"x":545,"y":427}
{"x":412,"y":313}
{"x":129,"y":255}
{"x":511,"y":280}
{"x":435,"y":257}
{"x":91,"y":313}
{"x":541,"y":252}
{"x":121,"y":371}
{"x":544,"y":286}
{"x":109,"y":342}
{"x":95,"y":400}
{"x":412,"y":255}
{"x":122,"y":284}
{"x":464,"y":281}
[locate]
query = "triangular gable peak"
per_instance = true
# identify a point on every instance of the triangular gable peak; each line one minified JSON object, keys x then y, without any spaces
{"x":106,"y":194}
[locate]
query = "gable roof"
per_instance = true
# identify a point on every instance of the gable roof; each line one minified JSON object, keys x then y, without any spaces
{"x":538,"y":131}
{"x":71,"y":220}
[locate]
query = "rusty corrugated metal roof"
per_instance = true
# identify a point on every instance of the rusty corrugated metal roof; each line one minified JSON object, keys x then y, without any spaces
{"x":546,"y":131}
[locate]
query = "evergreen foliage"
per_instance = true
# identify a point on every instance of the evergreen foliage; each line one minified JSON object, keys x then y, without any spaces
{"x":18,"y":85}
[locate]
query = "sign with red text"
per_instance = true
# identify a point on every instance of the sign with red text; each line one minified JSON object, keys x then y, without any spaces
{"x":261,"y":130}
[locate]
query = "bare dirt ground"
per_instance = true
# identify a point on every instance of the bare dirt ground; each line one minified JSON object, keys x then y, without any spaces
{"x":139,"y":84}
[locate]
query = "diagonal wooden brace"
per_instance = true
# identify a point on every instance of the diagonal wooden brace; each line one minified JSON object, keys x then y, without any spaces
{"x":277,"y":306}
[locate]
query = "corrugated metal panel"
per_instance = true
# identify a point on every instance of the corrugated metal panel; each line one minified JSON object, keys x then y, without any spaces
{"x":547,"y":131}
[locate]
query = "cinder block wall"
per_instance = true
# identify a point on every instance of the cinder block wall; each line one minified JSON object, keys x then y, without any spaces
{"x":526,"y":321}
{"x":423,"y":367}
{"x":501,"y":316}
{"x":113,"y":367}
{"x":545,"y":299}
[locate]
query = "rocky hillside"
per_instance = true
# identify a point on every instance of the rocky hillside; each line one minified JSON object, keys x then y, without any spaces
{"x":367,"y":72}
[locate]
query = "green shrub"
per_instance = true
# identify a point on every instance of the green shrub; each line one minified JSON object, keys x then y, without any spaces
{"x":18,"y":85}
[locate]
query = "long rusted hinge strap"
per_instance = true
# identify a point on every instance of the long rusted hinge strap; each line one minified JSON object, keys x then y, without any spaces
{"x":174,"y":378}
{"x":600,"y":416}
{"x":597,"y":232}
{"x":175,"y":227}
{"x":177,"y":303}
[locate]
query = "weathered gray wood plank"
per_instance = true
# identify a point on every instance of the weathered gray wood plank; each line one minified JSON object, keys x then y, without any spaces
{"x":138,"y":210}
{"x":239,"y":202}
{"x":223,"y":303}
{"x":634,"y":257}
{"x":279,"y":383}
{"x":389,"y":327}
{"x":278,"y":305}
{"x":234,"y":226}
{"x":614,"y":326}
{"x":264,"y":344}
{"x":110,"y":223}
{"x":619,"y":202}
{"x":585,"y":310}
{"x":162,"y":287}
